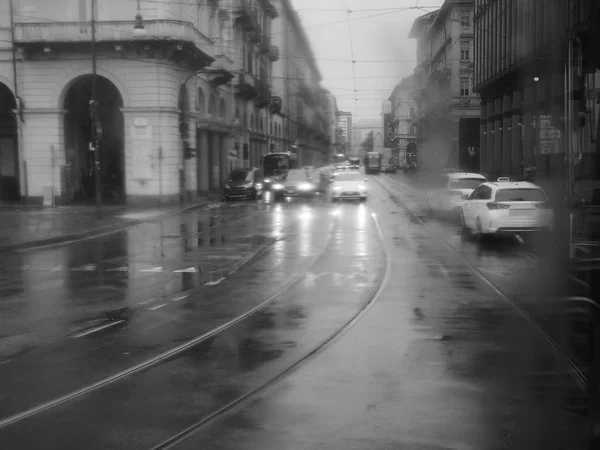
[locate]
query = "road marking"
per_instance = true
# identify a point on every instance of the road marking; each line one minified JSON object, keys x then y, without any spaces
{"x":154,"y":308}
{"x":181,"y":297}
{"x":214,"y":283}
{"x":57,"y":268}
{"x":188,"y":270}
{"x":119,"y":269}
{"x":444,"y":270}
{"x":154,"y":270}
{"x":99,"y":328}
{"x":86,"y":268}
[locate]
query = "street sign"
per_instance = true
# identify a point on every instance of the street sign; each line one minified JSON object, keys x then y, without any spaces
{"x":549,"y":136}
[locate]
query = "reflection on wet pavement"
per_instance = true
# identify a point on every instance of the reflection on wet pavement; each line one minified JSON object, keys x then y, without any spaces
{"x":206,"y":377}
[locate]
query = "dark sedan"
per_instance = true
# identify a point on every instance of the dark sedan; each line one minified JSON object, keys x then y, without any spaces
{"x":243,"y":184}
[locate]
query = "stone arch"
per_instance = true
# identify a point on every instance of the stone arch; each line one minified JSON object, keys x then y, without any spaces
{"x":201,"y":102}
{"x":9,"y":150}
{"x":77,"y":138}
{"x":222,"y":109}
{"x":212,"y":105}
{"x":59,"y":95}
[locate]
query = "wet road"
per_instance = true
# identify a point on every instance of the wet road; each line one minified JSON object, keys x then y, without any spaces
{"x":442,"y":359}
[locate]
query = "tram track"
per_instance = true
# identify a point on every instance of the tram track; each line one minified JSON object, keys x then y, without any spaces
{"x":577,"y":374}
{"x":146,"y":366}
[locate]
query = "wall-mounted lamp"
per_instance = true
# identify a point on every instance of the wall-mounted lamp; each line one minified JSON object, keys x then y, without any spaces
{"x":509,"y":128}
{"x":500,"y":129}
{"x":536,"y":79}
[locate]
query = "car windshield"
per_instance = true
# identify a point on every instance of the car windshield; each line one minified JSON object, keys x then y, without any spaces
{"x":520,"y":195}
{"x":466,"y":183}
{"x":297,"y":176}
{"x":241,"y":175}
{"x":348,"y":177}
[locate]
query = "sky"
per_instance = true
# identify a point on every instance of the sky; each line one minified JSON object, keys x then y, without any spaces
{"x":380,"y":45}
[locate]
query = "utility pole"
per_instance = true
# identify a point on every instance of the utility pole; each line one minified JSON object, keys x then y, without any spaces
{"x":95,"y":138}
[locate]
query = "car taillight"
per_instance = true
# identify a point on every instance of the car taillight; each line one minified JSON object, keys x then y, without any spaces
{"x":455,"y":193}
{"x":543,"y":206}
{"x":492,"y":206}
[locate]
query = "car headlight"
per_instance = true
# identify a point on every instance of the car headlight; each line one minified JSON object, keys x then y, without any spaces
{"x":227,"y":186}
{"x":337,"y":188}
{"x":267,"y":180}
{"x":305,"y":186}
{"x":249,"y":185}
{"x":278,"y":186}
{"x":362,"y":187}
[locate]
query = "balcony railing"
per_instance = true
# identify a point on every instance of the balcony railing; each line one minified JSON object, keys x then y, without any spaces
{"x":247,"y":86}
{"x":247,"y":17}
{"x":109,"y":31}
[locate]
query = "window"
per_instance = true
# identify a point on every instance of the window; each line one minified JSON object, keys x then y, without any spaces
{"x":465,"y":86}
{"x":465,"y":51}
{"x":465,"y":18}
{"x":412,"y":130}
{"x":412,"y":112}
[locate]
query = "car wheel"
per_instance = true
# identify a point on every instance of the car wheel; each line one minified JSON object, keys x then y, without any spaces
{"x":481,"y":236}
{"x":465,"y":231}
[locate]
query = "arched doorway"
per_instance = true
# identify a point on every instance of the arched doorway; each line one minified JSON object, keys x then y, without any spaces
{"x":80,"y":173}
{"x":9,"y":149}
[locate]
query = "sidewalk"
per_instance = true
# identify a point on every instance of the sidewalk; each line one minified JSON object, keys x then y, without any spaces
{"x":27,"y":227}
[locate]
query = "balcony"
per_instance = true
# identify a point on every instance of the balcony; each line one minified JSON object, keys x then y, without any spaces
{"x":246,"y":86}
{"x":184,"y":34}
{"x":247,"y":17}
{"x":263,"y":96}
{"x":276,"y":105}
{"x":307,"y":93}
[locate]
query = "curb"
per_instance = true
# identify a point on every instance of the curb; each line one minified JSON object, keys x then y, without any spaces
{"x":96,"y":232}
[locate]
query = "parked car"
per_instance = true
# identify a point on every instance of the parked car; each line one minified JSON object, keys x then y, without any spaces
{"x":446,"y":197}
{"x":349,"y":186}
{"x":388,"y":169}
{"x":300,"y":183}
{"x":243,"y":184}
{"x":505,"y":206}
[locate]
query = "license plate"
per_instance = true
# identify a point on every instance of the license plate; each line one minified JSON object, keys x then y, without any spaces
{"x":521,"y":212}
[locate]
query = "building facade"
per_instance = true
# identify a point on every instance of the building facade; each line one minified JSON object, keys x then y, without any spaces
{"x":185,"y":92}
{"x":447,"y":108}
{"x":537,"y":73}
{"x":403,"y":131}
{"x":345,"y":125}
{"x":302,"y":121}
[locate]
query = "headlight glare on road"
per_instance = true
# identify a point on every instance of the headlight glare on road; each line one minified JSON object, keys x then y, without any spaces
{"x":305,"y":186}
{"x":278,"y":186}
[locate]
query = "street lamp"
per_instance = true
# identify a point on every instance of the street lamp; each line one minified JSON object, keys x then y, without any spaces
{"x":138,"y":28}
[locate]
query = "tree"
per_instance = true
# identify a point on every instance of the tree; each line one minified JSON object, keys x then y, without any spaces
{"x":368,"y":143}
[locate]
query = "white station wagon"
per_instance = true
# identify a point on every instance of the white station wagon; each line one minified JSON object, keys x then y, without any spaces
{"x":447,"y":195}
{"x":505,"y":206}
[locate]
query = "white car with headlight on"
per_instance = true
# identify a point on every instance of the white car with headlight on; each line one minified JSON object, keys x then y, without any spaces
{"x":348,"y":186}
{"x":505,"y":206}
{"x":300,"y":183}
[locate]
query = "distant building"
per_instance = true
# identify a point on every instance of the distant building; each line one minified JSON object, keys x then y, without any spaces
{"x":447,"y":108}
{"x":345,"y":124}
{"x":403,"y":116}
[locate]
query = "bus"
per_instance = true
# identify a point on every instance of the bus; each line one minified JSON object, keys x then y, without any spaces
{"x":373,"y":162}
{"x":274,"y":165}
